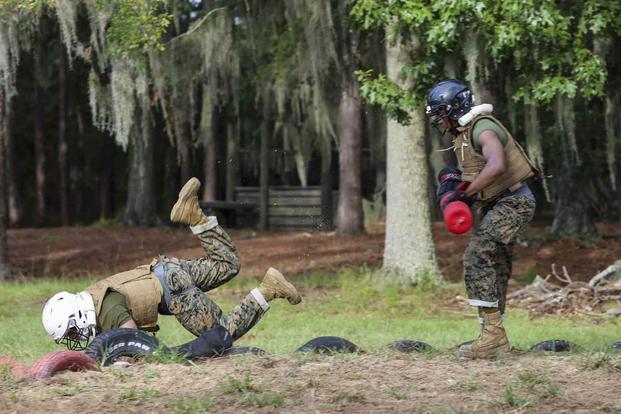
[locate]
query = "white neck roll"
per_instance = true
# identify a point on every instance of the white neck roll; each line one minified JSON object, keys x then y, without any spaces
{"x":476,"y":110}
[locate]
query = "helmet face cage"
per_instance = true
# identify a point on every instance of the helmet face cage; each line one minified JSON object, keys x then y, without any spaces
{"x":75,"y":338}
{"x":448,"y":99}
{"x":435,"y":119}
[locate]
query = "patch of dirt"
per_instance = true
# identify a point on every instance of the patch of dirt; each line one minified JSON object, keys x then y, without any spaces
{"x":379,"y":383}
{"x":98,"y":251}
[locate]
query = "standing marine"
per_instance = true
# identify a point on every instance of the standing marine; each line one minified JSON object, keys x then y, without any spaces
{"x":493,"y":169}
{"x":169,"y":286}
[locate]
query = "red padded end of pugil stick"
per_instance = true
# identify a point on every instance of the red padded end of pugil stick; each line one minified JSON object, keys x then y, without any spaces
{"x":457,"y":217}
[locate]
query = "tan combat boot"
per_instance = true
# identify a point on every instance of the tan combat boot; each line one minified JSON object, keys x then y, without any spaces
{"x":186,"y":210}
{"x":275,"y":286}
{"x":492,"y":341}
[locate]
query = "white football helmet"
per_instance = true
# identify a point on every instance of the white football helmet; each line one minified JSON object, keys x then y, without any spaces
{"x":70,"y":319}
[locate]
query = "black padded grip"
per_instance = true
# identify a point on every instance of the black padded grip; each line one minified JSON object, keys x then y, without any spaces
{"x":450,"y":178}
{"x":449,"y":174}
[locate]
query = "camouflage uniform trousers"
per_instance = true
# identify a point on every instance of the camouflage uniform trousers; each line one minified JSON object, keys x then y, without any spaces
{"x":188,"y":280}
{"x":488,"y":257}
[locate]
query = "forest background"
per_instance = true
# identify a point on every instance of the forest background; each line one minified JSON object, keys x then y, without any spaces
{"x":108,"y":107}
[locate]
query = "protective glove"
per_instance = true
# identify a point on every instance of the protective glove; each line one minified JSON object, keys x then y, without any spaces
{"x":458,"y":196}
{"x":212,"y":342}
{"x":455,"y":206}
{"x":449,"y":179}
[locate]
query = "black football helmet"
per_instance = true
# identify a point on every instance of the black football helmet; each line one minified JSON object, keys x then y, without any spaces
{"x":448,"y":98}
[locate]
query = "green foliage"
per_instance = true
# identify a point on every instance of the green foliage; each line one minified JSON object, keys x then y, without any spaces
{"x":387,"y":94}
{"x":136,"y":27}
{"x":9,"y":8}
{"x":281,"y":52}
{"x":599,"y":17}
{"x":547,"y":44}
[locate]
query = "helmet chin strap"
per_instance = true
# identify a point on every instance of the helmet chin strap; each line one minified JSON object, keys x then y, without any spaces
{"x":476,"y":110}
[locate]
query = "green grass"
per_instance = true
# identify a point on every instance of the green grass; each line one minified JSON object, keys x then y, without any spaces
{"x":349,"y":305}
{"x":249,"y":393}
{"x":529,"y":388}
{"x":191,"y":405}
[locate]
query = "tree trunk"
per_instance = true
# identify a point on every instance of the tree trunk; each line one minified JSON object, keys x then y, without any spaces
{"x":604,"y":49}
{"x":450,"y":65}
{"x":14,"y":202}
{"x":375,"y":117}
{"x":183,"y":147}
{"x":4,"y":260}
{"x":574,"y":209}
{"x":287,"y":173}
{"x":327,"y":215}
{"x":104,"y":196}
{"x":409,"y":252}
{"x":264,"y":174}
{"x":63,"y":175}
{"x":533,"y":141}
{"x":376,"y":131}
{"x":437,"y":159}
{"x":474,"y":55}
{"x":210,"y":186}
{"x":105,"y":180}
{"x":141,"y":200}
{"x":210,"y":192}
{"x":232,"y":159}
{"x":349,"y":216}
{"x":511,"y":107}
{"x":574,"y":205}
{"x":39,"y":151}
{"x":611,"y":105}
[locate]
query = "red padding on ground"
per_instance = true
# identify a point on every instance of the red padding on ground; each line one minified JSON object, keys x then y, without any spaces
{"x":57,"y":361}
{"x":17,"y":370}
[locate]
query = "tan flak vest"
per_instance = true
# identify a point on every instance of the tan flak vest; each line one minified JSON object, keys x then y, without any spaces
{"x":142,"y":290}
{"x":519,"y":167}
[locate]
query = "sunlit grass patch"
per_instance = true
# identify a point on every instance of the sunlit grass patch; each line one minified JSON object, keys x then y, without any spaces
{"x":350,"y":304}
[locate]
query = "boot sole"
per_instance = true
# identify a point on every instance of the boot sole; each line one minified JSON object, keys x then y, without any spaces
{"x":493,"y":354}
{"x":188,"y":191}
{"x":294,"y":297}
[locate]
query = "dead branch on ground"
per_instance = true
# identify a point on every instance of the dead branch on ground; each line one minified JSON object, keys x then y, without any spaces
{"x":559,"y":294}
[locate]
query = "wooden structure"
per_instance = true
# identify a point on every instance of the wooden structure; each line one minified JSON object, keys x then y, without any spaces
{"x":289,"y":207}
{"x":231,"y":213}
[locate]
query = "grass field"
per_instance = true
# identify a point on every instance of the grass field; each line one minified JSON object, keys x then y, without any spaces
{"x":349,"y":305}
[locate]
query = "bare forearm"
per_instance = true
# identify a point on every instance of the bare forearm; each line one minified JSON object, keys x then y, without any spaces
{"x":485,"y":178}
{"x":494,"y":155}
